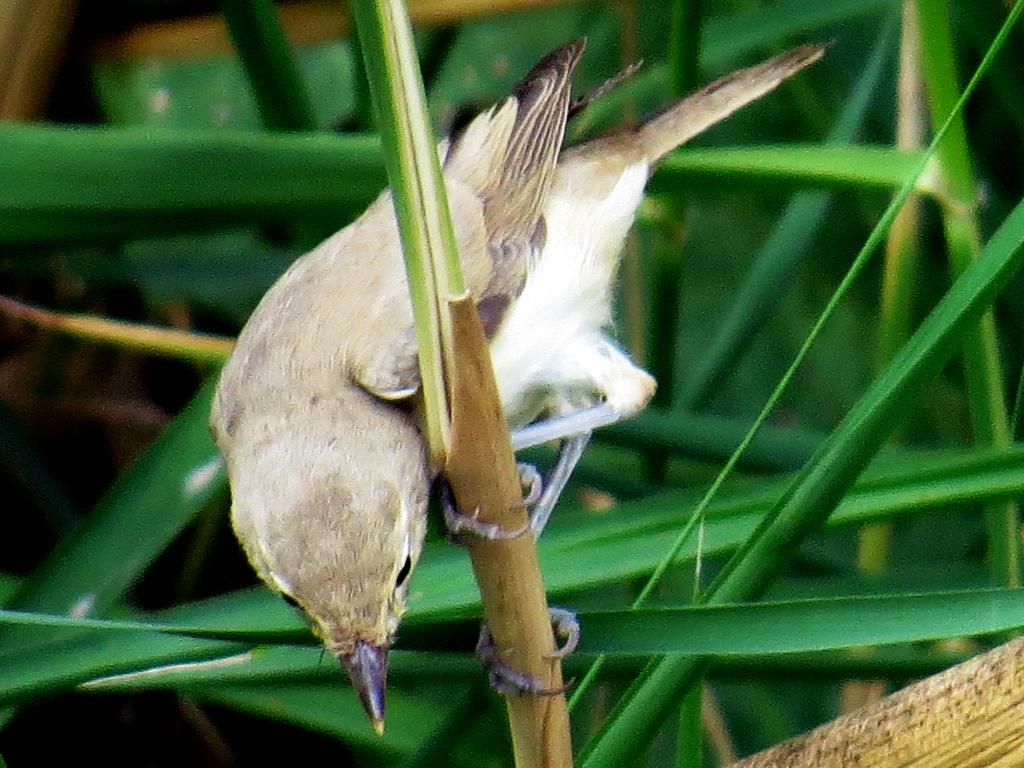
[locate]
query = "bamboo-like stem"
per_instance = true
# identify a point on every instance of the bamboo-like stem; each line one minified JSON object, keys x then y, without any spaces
{"x":483,"y":476}
{"x":874,"y":540}
{"x":982,"y":364}
{"x":970,"y":716}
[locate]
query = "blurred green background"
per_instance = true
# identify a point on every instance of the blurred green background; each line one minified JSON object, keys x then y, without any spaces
{"x":160,"y":167}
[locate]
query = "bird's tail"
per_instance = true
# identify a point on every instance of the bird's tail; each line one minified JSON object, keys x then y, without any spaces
{"x":683,"y":120}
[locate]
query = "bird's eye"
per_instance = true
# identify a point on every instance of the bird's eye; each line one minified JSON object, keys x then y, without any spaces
{"x":404,"y":573}
{"x":290,"y":600}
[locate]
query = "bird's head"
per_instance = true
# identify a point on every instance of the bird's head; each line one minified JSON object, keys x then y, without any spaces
{"x":329,"y":501}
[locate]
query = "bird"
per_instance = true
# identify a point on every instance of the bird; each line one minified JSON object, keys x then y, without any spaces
{"x":313,"y":411}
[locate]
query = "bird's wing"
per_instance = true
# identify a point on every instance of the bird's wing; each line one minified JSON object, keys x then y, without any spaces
{"x":507,"y":158}
{"x":498,"y":172}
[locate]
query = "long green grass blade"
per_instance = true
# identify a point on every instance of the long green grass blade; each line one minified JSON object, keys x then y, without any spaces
{"x":267,"y":665}
{"x":65,"y":663}
{"x":166,"y":653}
{"x":684,"y":46}
{"x":95,"y":184}
{"x":982,"y":364}
{"x":806,"y":625}
{"x":210,"y":181}
{"x":421,"y":203}
{"x":777,"y":627}
{"x":281,"y":95}
{"x":115,"y":183}
{"x":629,"y":543}
{"x":856,"y":165}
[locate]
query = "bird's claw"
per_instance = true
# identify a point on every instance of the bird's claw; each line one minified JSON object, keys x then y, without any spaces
{"x":509,"y":681}
{"x":530,"y":479}
{"x":458,"y":522}
{"x":566,"y":625}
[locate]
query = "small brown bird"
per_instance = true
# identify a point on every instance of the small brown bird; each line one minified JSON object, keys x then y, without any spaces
{"x":327,"y":466}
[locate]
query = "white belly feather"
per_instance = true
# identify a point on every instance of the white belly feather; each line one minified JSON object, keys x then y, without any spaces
{"x":551,"y":354}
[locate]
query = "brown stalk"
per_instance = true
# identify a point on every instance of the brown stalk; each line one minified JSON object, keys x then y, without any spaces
{"x":304,"y":23}
{"x":713,"y":722}
{"x":33,"y":35}
{"x":970,"y":716}
{"x":166,"y":342}
{"x":482,"y":473}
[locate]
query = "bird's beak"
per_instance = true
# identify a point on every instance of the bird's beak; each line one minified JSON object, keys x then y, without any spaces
{"x":368,"y":668}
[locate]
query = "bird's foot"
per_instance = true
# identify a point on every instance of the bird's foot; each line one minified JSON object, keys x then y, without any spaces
{"x":509,"y":681}
{"x":458,"y":522}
